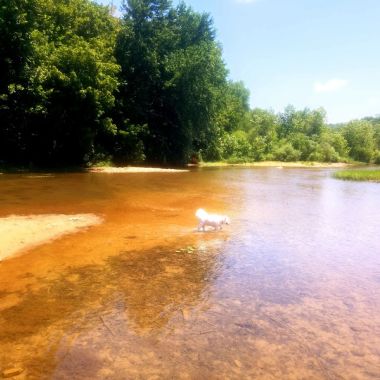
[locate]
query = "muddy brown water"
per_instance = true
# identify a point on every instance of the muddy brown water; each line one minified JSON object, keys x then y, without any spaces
{"x":290,"y":290}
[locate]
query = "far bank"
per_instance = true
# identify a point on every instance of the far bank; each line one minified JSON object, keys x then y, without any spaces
{"x":279,"y":164}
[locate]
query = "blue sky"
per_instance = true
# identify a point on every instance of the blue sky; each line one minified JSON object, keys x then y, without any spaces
{"x":309,"y":53}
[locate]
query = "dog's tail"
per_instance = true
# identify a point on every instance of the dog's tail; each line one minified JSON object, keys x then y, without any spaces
{"x":201,"y":214}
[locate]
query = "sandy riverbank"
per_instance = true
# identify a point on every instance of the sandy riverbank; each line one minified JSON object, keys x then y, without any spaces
{"x":23,"y":232}
{"x":133,"y":169}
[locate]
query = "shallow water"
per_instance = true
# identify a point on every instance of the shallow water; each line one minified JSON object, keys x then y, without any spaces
{"x":290,"y":290}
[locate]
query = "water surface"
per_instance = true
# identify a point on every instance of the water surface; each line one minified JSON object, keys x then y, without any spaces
{"x":290,"y":290}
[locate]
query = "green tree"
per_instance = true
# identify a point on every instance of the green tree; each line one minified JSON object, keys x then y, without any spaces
{"x":262,"y":129}
{"x":360,"y":137}
{"x":308,"y":122}
{"x":236,"y":147}
{"x":63,"y":91}
{"x":78,"y":77}
{"x":233,"y":113}
{"x":17,"y":19}
{"x":172,"y":77}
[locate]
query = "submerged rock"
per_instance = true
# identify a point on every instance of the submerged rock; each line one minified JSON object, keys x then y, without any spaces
{"x":171,"y":269}
{"x":185,"y":314}
{"x":11,"y":372}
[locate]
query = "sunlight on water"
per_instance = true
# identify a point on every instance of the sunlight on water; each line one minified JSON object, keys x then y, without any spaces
{"x":290,"y":290}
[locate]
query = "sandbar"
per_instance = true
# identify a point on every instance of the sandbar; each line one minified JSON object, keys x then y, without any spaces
{"x":133,"y":169}
{"x":21,"y":232}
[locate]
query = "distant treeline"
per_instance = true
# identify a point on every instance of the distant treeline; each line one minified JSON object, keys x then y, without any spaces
{"x":295,"y":135}
{"x":79,"y":86}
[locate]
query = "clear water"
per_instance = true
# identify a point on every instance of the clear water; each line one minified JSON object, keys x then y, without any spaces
{"x":290,"y":290}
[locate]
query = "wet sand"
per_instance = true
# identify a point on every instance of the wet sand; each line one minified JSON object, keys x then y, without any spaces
{"x":20,"y":233}
{"x":133,"y":169}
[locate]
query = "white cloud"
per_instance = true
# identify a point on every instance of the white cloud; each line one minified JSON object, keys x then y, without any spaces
{"x":330,"y":86}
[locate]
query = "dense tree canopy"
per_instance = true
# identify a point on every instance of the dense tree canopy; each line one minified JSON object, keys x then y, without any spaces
{"x":55,"y":103}
{"x":78,"y":85}
{"x":171,"y":52}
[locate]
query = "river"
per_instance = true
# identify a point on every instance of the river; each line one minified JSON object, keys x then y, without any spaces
{"x":289,"y":290}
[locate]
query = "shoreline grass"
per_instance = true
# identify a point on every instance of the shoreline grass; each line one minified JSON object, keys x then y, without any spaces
{"x":358,"y":175}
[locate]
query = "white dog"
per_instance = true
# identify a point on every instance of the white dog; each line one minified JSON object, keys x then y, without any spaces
{"x":213,"y":220}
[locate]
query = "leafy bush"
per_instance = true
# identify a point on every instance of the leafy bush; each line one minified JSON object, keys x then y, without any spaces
{"x":376,"y":158}
{"x":286,"y":152}
{"x":259,"y":146}
{"x":324,"y":153}
{"x":236,"y":145}
{"x":303,"y":143}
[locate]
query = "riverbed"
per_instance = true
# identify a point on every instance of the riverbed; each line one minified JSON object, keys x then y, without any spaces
{"x":289,"y":290}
